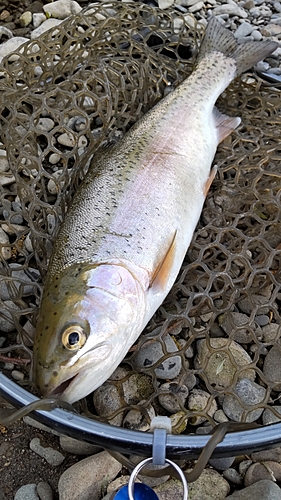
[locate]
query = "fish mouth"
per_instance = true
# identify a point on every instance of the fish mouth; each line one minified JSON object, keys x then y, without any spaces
{"x":88,"y":363}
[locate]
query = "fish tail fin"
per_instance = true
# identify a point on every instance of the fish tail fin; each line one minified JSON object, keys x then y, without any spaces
{"x":247,"y":54}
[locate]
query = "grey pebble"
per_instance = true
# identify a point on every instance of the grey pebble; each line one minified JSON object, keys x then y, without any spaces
{"x":93,"y":474}
{"x":37,"y":425}
{"x":221,"y":463}
{"x":233,"y":476}
{"x":174,"y":398}
{"x":272,"y":367}
{"x":271,"y":332}
{"x":20,"y":277}
{"x":244,"y":466}
{"x":264,"y":470}
{"x":257,"y":36}
{"x":71,"y":445}
{"x":17,"y":375}
{"x":107,"y":400}
{"x":27,"y":492}
{"x":198,"y":400}
{"x":231,"y":9}
{"x":53,"y":457}
{"x":209,"y":486}
{"x":262,"y":319}
{"x":45,"y":124}
{"x":7,"y":324}
{"x":4,"y":164}
{"x":243,"y":30}
{"x":136,"y":421}
{"x":232,"y":323}
{"x":274,"y":454}
{"x":262,"y":490}
{"x":44,"y":491}
{"x":137,"y":387}
{"x":250,"y":394}
{"x":277,"y":6}
{"x":268,"y":417}
{"x":151,"y":353}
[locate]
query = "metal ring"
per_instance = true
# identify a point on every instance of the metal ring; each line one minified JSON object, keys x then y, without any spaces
{"x":142,"y":464}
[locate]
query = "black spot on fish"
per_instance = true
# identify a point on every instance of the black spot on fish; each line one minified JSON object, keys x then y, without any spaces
{"x":55,"y":373}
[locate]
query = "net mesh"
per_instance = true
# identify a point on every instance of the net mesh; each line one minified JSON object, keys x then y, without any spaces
{"x":83,"y":84}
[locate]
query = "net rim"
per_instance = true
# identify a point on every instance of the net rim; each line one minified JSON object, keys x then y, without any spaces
{"x":179,"y":447}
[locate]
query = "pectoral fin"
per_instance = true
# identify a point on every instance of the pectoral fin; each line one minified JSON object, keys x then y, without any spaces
{"x":162,"y":271}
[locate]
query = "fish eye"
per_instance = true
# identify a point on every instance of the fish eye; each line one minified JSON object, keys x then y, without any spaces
{"x":74,"y":337}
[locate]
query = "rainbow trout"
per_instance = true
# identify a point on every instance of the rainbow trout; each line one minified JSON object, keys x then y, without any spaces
{"x":123,"y":240}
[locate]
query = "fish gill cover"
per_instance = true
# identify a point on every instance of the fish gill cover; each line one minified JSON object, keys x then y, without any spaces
{"x":217,"y":335}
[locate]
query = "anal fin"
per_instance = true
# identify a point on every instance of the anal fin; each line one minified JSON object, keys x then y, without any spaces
{"x":224,"y":124}
{"x":162,"y":271}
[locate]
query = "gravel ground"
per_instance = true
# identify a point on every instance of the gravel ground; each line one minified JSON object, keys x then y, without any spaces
{"x":23,"y":459}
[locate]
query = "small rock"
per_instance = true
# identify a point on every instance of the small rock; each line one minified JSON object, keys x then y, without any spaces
{"x":262,"y":490}
{"x":45,"y":124}
{"x":198,"y":401}
{"x":170,"y":489}
{"x":45,"y":26}
{"x":232,"y":323}
{"x":6,"y":251}
{"x":274,"y":455}
{"x":233,"y":476}
{"x":175,"y":396}
{"x":136,"y":421}
{"x":217,"y":364}
{"x":94,"y":474}
{"x":20,"y":277}
{"x":27,"y":492}
{"x":209,"y":486}
{"x":257,"y":36}
{"x":246,"y":305}
{"x":262,"y":66}
{"x":4,"y":164}
{"x":243,"y":30}
{"x":244,"y":466}
{"x":221,"y":463}
{"x":107,"y":400}
{"x":250,"y":394}
{"x":117,"y":483}
{"x":272,"y":367}
{"x":10,"y":46}
{"x":6,"y":178}
{"x":196,"y":7}
{"x":7,"y":324}
{"x":136,"y":388}
{"x":71,"y":445}
{"x":37,"y":425}
{"x":61,"y":9}
{"x":44,"y":491}
{"x":249,"y":4}
{"x":17,"y":375}
{"x":277,"y":6}
{"x":220,"y":417}
{"x":25,"y":19}
{"x":53,"y":457}
{"x":231,"y":9}
{"x":269,"y":417}
{"x":271,"y":332}
{"x":38,"y":18}
{"x":264,"y":470}
{"x":165,"y":4}
{"x":55,"y":187}
{"x":54,"y":158}
{"x":151,"y":353}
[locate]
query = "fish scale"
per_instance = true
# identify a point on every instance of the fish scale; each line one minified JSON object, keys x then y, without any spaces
{"x":123,"y":240}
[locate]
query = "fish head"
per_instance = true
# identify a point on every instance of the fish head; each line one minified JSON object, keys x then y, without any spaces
{"x":88,"y":319}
